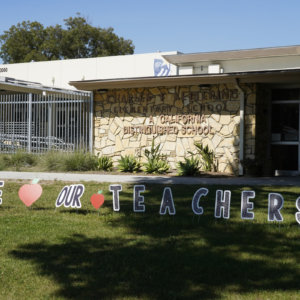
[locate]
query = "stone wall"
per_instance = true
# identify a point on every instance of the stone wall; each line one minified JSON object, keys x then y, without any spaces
{"x":127,"y":120}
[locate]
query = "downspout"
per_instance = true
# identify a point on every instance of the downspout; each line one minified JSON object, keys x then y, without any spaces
{"x":242,"y":126}
{"x":91,"y":122}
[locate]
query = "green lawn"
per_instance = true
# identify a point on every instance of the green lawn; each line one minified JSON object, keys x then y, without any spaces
{"x":49,"y":253}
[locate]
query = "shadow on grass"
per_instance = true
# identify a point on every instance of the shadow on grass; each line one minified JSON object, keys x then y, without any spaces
{"x":41,"y":208}
{"x":171,"y":268}
{"x":171,"y":257}
{"x":75,"y":211}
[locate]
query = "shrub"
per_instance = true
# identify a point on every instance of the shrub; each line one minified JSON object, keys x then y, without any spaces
{"x":156,"y":166}
{"x":207,"y":157}
{"x":21,"y":159}
{"x":105,"y":163}
{"x":156,"y":162}
{"x":80,"y":161}
{"x":129,"y":163}
{"x":189,"y":167}
{"x":53,"y":161}
{"x":4,"y":161}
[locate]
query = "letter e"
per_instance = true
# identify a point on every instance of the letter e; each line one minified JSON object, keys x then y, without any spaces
{"x":138,"y":199}
{"x":246,"y":205}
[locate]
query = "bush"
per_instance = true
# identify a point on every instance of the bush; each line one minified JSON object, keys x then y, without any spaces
{"x":53,"y":161}
{"x":156,"y":166}
{"x":4,"y":161}
{"x":156,"y":162}
{"x":129,"y":163}
{"x":189,"y":167}
{"x":207,"y":157}
{"x":21,"y":159}
{"x":105,"y":163}
{"x":80,"y":161}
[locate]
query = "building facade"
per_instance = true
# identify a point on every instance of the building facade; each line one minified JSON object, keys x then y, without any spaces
{"x":243,"y":105}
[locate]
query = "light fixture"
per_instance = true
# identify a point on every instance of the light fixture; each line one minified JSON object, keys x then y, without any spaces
{"x":205,"y":86}
{"x":102,"y":91}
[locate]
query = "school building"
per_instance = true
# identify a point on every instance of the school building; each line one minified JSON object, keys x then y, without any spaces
{"x":243,"y":104}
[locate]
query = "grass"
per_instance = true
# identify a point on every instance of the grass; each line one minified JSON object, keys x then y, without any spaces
{"x":49,"y":253}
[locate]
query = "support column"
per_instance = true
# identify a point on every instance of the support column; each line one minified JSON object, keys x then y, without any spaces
{"x":91,"y":123}
{"x":242,"y":127}
{"x":49,"y":122}
{"x":29,"y":122}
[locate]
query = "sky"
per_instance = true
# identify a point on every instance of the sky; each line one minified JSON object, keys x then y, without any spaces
{"x":187,"y":26}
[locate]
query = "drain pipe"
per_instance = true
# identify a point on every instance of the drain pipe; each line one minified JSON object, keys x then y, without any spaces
{"x":242,"y":126}
{"x":91,"y":123}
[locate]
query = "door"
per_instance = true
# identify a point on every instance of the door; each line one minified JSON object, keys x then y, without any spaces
{"x":285,"y":148}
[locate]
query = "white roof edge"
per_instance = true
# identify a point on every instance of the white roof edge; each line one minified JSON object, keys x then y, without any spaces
{"x":233,"y":54}
{"x":97,"y":57}
{"x":12,"y":84}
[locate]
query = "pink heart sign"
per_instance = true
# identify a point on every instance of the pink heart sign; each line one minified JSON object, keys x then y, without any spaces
{"x":97,"y":200}
{"x":29,"y":193}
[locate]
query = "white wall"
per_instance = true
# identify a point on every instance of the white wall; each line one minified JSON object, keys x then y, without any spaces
{"x":58,"y":73}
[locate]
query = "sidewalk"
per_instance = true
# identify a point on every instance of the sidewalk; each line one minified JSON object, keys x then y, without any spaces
{"x":75,"y":177}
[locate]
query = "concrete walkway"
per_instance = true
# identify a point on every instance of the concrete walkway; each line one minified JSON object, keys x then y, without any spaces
{"x":75,"y":177}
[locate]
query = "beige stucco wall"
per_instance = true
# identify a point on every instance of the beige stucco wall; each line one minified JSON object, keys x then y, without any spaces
{"x":126,"y":121}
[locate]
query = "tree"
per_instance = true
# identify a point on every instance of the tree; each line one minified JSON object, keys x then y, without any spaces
{"x":29,"y":41}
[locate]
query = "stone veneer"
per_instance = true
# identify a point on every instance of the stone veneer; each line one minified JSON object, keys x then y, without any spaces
{"x":126,"y":121}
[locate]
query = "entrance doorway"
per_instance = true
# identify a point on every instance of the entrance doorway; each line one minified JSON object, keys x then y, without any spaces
{"x":285,"y":148}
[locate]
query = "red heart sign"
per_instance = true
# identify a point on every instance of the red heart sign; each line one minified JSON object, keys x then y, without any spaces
{"x":29,"y":193}
{"x":97,"y":200}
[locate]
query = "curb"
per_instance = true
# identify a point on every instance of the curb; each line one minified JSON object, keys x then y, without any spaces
{"x":73,"y":177}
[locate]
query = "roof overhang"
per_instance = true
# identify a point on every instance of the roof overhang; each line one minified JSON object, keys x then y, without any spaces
{"x":291,"y":76}
{"x":11,"y":85}
{"x":180,"y":59}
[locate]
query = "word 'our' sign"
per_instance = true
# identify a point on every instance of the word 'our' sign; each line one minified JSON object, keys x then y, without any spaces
{"x":70,"y":196}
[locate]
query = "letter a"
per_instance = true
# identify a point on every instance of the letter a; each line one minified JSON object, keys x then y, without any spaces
{"x":167,"y":203}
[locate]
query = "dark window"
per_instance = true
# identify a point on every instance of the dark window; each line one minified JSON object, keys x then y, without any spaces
{"x":285,"y":94}
{"x":285,"y":157}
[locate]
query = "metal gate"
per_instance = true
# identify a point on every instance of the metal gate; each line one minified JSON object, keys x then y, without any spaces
{"x":40,"y":122}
